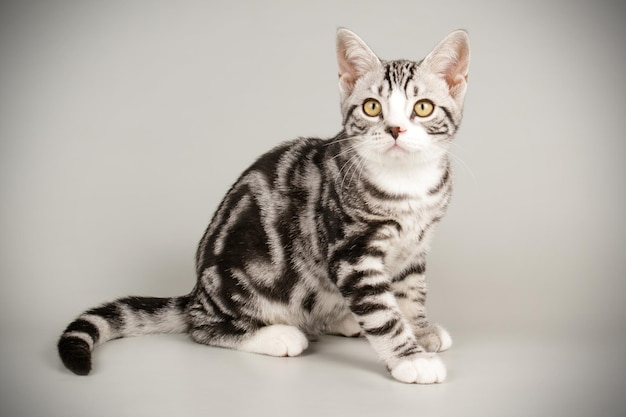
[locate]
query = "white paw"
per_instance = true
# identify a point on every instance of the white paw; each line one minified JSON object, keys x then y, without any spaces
{"x":434,"y":338}
{"x":424,"y":369}
{"x":276,"y":340}
{"x":347,"y":327}
{"x":444,"y":337}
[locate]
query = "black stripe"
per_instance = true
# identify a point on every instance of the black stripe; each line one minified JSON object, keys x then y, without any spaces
{"x":309,"y":302}
{"x":399,"y":74}
{"x":362,"y":291}
{"x":394,"y":74}
{"x":379,"y":194}
{"x":349,"y":113}
{"x":388,"y":76}
{"x":84,"y":326}
{"x":356,"y":126}
{"x":420,"y":317}
{"x":400,"y":347}
{"x":150,"y":305}
{"x":351,"y":281}
{"x":398,"y":332}
{"x":449,"y":116}
{"x":433,"y":221}
{"x":215,"y":307}
{"x":268,"y":162}
{"x":384,"y":329}
{"x":386,"y":223}
{"x":441,"y":184}
{"x":409,"y":351}
{"x":247,"y":240}
{"x":374,"y":252}
{"x":438,"y":130}
{"x":421,"y":299}
{"x":418,"y":268}
{"x":409,"y":75}
{"x":352,"y":249}
{"x":221,"y":329}
{"x":364,"y":308}
{"x":111,"y":312}
{"x":182,"y":302}
{"x":205,"y":256}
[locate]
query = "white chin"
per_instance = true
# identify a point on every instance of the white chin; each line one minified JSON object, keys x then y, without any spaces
{"x":398,"y":155}
{"x":397,"y":150}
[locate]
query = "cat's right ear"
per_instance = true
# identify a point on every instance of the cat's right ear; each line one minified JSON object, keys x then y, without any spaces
{"x":354,"y":58}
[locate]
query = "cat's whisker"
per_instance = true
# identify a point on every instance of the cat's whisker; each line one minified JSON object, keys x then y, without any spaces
{"x":352,"y":148}
{"x":360,"y":164}
{"x":352,"y":165}
{"x":457,"y":159}
{"x":339,"y":140}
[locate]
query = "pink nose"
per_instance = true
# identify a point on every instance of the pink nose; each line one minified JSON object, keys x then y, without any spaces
{"x":395,"y":131}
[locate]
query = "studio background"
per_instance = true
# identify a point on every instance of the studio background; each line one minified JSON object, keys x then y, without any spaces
{"x":123,"y":123}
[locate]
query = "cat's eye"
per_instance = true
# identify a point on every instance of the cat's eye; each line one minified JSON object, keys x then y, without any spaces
{"x":424,"y":108}
{"x":372,"y":107}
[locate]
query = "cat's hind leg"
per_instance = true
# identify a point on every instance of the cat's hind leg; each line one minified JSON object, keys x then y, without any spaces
{"x":273,"y":340}
{"x":347,"y":326}
{"x":221,"y":315}
{"x":276,"y":340}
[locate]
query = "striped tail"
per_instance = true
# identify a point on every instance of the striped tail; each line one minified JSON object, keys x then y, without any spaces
{"x":130,"y":316}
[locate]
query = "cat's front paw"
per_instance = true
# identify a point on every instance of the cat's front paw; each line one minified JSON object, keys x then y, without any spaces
{"x":421,"y":369}
{"x":434,"y":338}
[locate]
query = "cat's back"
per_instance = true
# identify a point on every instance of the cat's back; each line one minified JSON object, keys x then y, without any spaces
{"x":288,"y":160}
{"x":273,"y":199}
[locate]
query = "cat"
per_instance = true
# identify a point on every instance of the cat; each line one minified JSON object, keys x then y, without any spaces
{"x":324,"y":236}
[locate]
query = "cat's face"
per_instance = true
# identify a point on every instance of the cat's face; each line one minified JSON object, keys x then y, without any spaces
{"x":402,"y":112}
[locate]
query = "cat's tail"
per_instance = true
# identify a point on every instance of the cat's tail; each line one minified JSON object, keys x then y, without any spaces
{"x":130,"y":316}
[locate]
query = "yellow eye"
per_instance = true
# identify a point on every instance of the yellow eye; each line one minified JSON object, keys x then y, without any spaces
{"x":372,"y":107}
{"x":424,"y":108}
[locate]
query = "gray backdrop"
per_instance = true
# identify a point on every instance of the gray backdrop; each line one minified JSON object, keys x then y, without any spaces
{"x":122,"y":124}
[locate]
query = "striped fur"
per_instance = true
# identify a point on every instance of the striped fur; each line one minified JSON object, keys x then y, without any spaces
{"x":323,"y":236}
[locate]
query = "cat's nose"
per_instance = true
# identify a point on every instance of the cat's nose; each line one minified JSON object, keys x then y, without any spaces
{"x":395,"y":131}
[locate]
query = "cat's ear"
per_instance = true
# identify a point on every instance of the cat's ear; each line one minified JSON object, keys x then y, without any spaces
{"x":450,"y":60}
{"x":354,"y":58}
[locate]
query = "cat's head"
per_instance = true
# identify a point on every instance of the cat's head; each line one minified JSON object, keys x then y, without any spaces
{"x":402,"y":111}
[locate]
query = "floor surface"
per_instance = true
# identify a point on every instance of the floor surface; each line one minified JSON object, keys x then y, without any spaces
{"x":169,"y":375}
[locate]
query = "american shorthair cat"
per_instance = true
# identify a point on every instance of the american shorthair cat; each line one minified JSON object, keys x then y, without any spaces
{"x":324,"y":236}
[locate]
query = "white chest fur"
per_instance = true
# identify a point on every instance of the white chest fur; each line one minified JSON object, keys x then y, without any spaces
{"x":416,"y":215}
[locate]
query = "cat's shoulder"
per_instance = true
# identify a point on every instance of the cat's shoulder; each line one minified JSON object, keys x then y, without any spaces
{"x":290,"y":151}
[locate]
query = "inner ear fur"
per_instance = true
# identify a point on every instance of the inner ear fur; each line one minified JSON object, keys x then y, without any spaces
{"x":354,"y":59}
{"x":450,"y":60}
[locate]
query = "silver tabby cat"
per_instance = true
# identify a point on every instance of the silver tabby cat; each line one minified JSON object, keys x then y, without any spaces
{"x":324,"y":236}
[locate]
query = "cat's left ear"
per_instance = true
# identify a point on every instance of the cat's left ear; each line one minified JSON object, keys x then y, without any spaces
{"x":450,"y":60}
{"x":355,"y":59}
